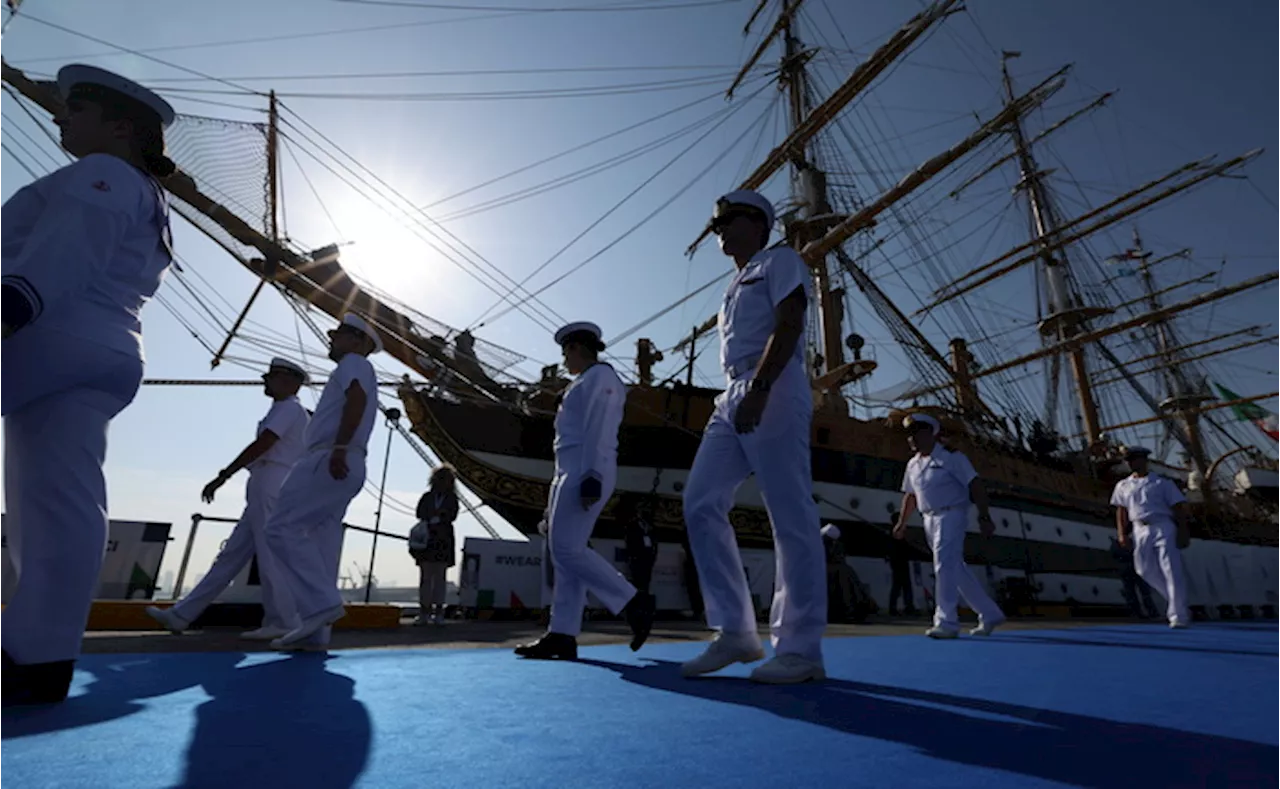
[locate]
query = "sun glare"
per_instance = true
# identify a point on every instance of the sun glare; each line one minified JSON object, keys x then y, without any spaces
{"x":381,"y":250}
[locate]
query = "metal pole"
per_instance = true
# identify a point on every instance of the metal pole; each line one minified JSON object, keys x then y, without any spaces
{"x":186,"y":556}
{"x":393,"y":416}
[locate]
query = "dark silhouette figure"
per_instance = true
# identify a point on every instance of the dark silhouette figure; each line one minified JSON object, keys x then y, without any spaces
{"x":899,"y":564}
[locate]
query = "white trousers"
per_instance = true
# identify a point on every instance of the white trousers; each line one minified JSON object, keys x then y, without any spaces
{"x":578,"y":568}
{"x":945,"y":533}
{"x":304,"y":531}
{"x":248,"y":539}
{"x":1158,"y":561}
{"x":777,"y":452}
{"x":58,"y":396}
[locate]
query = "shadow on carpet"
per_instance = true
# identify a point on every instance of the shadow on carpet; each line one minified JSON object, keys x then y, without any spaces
{"x":249,"y":732}
{"x":1032,"y":742}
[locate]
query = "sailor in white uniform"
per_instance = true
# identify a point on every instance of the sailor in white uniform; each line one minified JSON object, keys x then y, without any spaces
{"x":586,"y":451}
{"x":84,"y":248}
{"x":941,"y":483}
{"x":761,"y":425}
{"x":304,"y":531}
{"x":269,"y":458}
{"x":1150,"y":512}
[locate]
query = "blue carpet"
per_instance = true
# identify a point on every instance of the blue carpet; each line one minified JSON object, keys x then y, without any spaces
{"x":1127,"y":707}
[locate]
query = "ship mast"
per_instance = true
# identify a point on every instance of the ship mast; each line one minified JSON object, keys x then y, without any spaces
{"x":1183,"y":399}
{"x":809,"y":186}
{"x":1065,"y":318}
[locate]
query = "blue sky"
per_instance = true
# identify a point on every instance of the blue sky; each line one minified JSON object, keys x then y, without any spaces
{"x":1190,"y":83}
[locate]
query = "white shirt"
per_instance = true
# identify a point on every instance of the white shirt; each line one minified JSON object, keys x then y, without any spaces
{"x":589,"y":416}
{"x":1148,"y":499}
{"x":939,"y":480}
{"x":287,"y":419}
{"x":87,"y":246}
{"x":322,"y":432}
{"x":747,"y":312}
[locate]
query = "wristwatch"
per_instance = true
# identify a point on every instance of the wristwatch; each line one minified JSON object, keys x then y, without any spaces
{"x":758,"y":385}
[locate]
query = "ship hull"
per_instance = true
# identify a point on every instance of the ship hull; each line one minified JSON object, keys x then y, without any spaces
{"x":1056,"y":545}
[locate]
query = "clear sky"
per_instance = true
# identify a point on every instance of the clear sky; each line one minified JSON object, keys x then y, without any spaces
{"x":1191,"y":82}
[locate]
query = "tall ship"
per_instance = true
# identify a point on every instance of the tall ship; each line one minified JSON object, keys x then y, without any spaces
{"x":1105,"y":356}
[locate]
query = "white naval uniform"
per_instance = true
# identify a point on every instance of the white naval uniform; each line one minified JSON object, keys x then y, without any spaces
{"x":1150,"y":501}
{"x":304,"y":532}
{"x":287,"y":419}
{"x":777,"y":451}
{"x":86,"y":247}
{"x":940,"y":482}
{"x":586,"y":441}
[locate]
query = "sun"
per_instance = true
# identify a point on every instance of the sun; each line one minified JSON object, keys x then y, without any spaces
{"x":390,"y":250}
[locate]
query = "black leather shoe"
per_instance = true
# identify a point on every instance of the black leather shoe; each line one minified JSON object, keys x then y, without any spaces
{"x":639,"y":614}
{"x":552,"y":646}
{"x":36,"y":683}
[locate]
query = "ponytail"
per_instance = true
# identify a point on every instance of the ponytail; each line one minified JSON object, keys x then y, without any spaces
{"x":148,"y":143}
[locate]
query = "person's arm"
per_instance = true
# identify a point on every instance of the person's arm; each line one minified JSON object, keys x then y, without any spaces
{"x":788,"y":328}
{"x":908,"y":509}
{"x":1119,"y":500}
{"x":605,"y":400}
{"x":424,"y":509}
{"x":352,"y":411}
{"x":451,"y":508}
{"x":90,"y":206}
{"x":1123,"y":526}
{"x":959,"y":465}
{"x":260,"y":446}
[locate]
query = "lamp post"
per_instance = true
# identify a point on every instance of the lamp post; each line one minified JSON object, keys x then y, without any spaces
{"x":393,"y":416}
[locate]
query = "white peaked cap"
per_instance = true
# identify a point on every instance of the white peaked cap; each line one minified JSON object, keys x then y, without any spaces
{"x":575,"y":327}
{"x":282,"y":363}
{"x":356,"y":322}
{"x":831,"y":531}
{"x":749,"y":198}
{"x":923,"y":419}
{"x":80,"y":74}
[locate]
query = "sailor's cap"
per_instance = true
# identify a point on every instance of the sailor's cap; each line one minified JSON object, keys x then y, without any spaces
{"x":831,"y":531}
{"x":1136,"y":452}
{"x":745,"y":197}
{"x":922,"y":419}
{"x":360,"y":325}
{"x":80,"y":74}
{"x":576,"y":327}
{"x":280,"y":363}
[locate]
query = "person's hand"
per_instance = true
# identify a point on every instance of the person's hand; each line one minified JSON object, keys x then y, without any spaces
{"x":207,"y":494}
{"x":1124,"y":540}
{"x":986,"y":525}
{"x":750,"y":411}
{"x":900,"y":530}
{"x":338,"y":464}
{"x":590,"y":490}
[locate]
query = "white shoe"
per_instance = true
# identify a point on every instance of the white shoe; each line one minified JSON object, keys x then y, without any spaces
{"x":725,"y":650}
{"x":788,"y":670}
{"x":165,"y":616}
{"x":309,"y":626}
{"x":265,"y":633}
{"x":986,"y":628}
{"x":1179,"y":625}
{"x":938,"y":631}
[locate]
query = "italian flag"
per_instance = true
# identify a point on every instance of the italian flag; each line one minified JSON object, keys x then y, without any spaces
{"x":1251,"y":412}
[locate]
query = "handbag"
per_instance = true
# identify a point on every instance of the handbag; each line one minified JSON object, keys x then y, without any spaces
{"x":418,"y":537}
